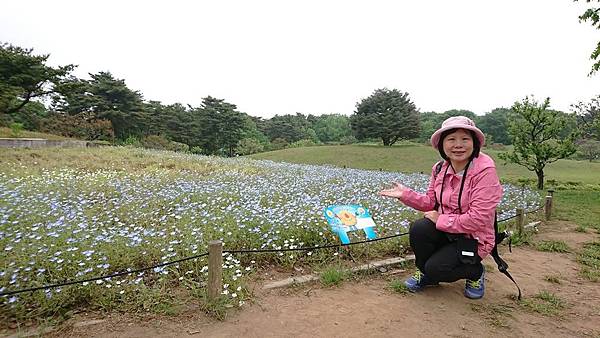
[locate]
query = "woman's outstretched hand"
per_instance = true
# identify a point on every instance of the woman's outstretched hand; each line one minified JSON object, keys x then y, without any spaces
{"x":395,"y":192}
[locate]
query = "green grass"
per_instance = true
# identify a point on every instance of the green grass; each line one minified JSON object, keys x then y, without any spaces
{"x":412,"y":157}
{"x":552,"y":246}
{"x":122,"y":159}
{"x":589,"y":258}
{"x":553,"y":279}
{"x":578,"y":206}
{"x":545,"y":303}
{"x":7,"y":133}
{"x":524,"y":238}
{"x":405,"y":157}
{"x":216,"y":308}
{"x":583,"y":209}
{"x":496,"y":315}
{"x":398,"y":286}
{"x":334,"y":276}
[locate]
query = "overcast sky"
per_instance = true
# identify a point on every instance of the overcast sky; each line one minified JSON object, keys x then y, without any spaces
{"x":283,"y":57}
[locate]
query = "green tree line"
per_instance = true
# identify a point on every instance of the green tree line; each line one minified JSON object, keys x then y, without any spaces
{"x":51,"y":99}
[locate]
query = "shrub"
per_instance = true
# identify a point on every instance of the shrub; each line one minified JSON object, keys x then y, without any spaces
{"x":161,"y":143}
{"x":196,"y":150}
{"x":16,"y":129}
{"x":303,"y":143}
{"x":81,"y":126}
{"x":132,"y":141}
{"x":279,"y":143}
{"x":249,"y":146}
{"x":179,"y":147}
{"x":5,"y":120}
{"x":497,"y":146}
{"x":348,"y":140}
{"x":588,"y":149}
{"x":154,"y":142}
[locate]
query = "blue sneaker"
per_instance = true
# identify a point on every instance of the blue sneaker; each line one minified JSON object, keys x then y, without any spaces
{"x":474,"y":289}
{"x":417,"y":281}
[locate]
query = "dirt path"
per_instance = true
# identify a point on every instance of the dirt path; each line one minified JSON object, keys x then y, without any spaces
{"x":367,"y":307}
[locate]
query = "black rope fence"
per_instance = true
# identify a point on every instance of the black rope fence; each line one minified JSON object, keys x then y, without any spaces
{"x":93,"y":279}
{"x":315,"y":247}
{"x":525,"y":213}
{"x":132,"y":271}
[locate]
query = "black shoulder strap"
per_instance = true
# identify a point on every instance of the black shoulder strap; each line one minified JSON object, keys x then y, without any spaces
{"x":502,"y":265}
{"x":438,"y":168}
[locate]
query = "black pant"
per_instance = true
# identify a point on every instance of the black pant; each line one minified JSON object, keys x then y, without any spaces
{"x":437,"y":257}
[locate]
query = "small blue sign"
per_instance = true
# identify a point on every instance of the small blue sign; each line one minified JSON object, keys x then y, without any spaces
{"x":344,"y":218}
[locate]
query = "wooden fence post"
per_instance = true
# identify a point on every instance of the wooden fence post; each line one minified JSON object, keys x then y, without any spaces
{"x":551,"y":193}
{"x":548,"y":207}
{"x":215,"y":269}
{"x":520,"y":220}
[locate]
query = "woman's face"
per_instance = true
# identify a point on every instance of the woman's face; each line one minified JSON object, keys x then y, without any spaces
{"x":458,"y":146}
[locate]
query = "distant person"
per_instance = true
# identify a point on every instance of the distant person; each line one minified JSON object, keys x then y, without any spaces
{"x":459,"y":207}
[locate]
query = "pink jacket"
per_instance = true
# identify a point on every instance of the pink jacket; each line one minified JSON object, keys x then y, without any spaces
{"x":481,"y":194}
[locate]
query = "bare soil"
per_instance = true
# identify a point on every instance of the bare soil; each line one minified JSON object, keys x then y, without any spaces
{"x":367,"y":307}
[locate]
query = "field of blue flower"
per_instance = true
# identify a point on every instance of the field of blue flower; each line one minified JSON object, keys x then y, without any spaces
{"x":77,"y":221}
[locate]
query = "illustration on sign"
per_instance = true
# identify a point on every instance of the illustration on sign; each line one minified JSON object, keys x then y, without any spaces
{"x":344,"y":218}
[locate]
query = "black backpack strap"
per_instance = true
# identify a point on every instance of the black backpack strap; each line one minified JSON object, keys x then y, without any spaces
{"x":438,"y":168}
{"x":502,"y":265}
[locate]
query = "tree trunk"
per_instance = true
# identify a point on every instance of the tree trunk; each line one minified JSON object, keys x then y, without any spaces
{"x":18,"y":107}
{"x":386,"y":141}
{"x":540,"y":177}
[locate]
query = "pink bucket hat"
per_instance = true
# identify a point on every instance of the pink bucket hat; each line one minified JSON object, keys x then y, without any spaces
{"x":457,"y":122}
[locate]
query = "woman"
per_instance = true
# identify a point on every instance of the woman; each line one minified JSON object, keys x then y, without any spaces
{"x":459,"y":206}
